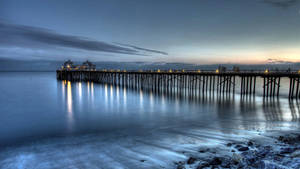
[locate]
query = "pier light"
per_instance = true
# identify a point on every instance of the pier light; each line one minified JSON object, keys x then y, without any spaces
{"x":68,"y":66}
{"x":119,"y":70}
{"x":182,"y":70}
{"x":140,"y":70}
{"x":267,"y":71}
{"x":158,"y":70}
{"x":298,"y":71}
{"x":104,"y":70}
{"x":217,"y":71}
{"x":124,"y":71}
{"x":170,"y":71}
{"x":199,"y":71}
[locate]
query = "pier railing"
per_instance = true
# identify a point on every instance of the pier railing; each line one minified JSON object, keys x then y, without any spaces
{"x":196,"y":80}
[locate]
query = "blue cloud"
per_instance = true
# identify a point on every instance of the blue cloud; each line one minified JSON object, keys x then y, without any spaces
{"x":32,"y":37}
{"x":282,"y":3}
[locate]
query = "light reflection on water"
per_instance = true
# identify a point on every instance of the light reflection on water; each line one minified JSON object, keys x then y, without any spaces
{"x":79,"y":90}
{"x":79,"y":86}
{"x":70,"y":105}
{"x":271,"y":107}
{"x":141,"y":101}
{"x":124,"y":99}
{"x":86,"y":107}
{"x":105,"y":97}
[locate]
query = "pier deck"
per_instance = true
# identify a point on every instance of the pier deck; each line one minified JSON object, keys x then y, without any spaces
{"x":200,"y":81}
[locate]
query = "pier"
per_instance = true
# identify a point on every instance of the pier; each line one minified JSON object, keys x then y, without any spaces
{"x":193,"y":81}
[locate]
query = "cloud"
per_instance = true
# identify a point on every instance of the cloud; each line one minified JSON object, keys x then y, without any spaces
{"x":143,"y":49}
{"x":33,"y":37}
{"x":281,"y":3}
{"x":278,"y":61}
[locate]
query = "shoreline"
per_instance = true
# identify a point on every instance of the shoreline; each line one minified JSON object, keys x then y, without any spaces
{"x":279,"y":150}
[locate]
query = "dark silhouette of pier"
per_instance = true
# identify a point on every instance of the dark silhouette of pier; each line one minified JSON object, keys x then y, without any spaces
{"x":202,"y":82}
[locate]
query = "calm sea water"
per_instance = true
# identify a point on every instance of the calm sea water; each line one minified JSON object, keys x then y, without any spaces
{"x":45,"y":123}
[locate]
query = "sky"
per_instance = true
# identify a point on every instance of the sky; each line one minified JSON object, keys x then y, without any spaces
{"x":191,"y":31}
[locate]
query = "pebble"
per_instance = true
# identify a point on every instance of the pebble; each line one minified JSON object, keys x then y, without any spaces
{"x":202,"y":151}
{"x":229,"y":144}
{"x":216,"y":161}
{"x":180,"y":167}
{"x":286,"y":150}
{"x":250,"y":143}
{"x":203,"y":165}
{"x":296,"y":153}
{"x":191,"y":160}
{"x":243,"y":149}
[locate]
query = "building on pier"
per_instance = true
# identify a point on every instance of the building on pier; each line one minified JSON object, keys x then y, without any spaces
{"x":221,"y":69}
{"x":236,"y":69}
{"x":87,"y":65}
{"x":68,"y":65}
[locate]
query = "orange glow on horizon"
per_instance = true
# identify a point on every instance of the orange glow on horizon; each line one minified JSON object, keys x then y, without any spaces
{"x":240,"y":56}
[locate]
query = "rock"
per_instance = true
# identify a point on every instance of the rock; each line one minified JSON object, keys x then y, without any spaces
{"x":243,"y":149}
{"x":287,"y":150}
{"x":277,"y":157}
{"x":251,"y":160}
{"x":268,"y":148}
{"x":238,"y":146}
{"x":250,"y":143}
{"x":181,"y":166}
{"x":203,"y":165}
{"x":280,"y":138}
{"x":191,"y":160}
{"x":229,"y":144}
{"x":296,"y":153}
{"x":250,"y":157}
{"x":226,"y":163}
{"x":237,"y":157}
{"x":245,"y":153}
{"x":257,"y":164}
{"x":142,"y":160}
{"x":180,"y":163}
{"x":262,"y":153}
{"x":202,"y":151}
{"x":288,"y":139}
{"x":269,"y":165}
{"x":295,"y":164}
{"x":216,"y":161}
{"x":235,"y":162}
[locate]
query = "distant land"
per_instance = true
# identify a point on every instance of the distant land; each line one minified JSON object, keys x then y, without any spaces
{"x":46,"y":65}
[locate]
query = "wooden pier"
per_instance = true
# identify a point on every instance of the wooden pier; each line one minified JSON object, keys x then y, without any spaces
{"x":202,"y":82}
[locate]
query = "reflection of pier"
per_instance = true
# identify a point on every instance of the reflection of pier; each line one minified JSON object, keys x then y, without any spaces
{"x":295,"y":109}
{"x":272,"y":110}
{"x":223,"y":83}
